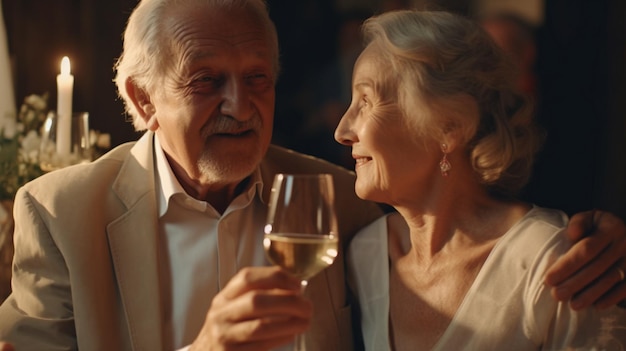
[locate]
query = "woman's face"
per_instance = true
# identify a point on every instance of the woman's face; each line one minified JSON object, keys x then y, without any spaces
{"x":392,"y":162}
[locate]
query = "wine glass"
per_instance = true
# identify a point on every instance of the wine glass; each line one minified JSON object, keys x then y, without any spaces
{"x":301,"y":231}
{"x":64,"y":141}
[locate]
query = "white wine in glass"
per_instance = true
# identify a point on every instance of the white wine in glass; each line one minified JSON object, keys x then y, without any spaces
{"x":301,"y":231}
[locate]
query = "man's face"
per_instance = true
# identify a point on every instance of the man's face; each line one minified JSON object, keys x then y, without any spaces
{"x":215,"y":106}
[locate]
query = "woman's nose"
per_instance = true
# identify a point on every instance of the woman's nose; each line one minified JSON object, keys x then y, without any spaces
{"x":343,"y":132}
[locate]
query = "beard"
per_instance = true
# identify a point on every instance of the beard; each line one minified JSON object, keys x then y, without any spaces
{"x":240,"y":156}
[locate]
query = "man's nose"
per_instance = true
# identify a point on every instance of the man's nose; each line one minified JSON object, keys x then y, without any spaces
{"x":235,"y":100}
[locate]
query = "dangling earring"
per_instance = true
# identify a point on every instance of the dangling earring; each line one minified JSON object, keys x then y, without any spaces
{"x":444,"y":164}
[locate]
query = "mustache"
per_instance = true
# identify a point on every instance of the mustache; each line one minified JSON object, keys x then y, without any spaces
{"x":223,"y":124}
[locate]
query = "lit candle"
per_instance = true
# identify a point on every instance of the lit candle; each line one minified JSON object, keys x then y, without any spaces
{"x":65,"y":86}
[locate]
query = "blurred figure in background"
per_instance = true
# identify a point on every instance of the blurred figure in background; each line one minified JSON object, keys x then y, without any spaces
{"x":516,"y":37}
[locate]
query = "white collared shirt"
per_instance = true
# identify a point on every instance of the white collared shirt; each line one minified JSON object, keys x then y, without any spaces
{"x":203,"y":248}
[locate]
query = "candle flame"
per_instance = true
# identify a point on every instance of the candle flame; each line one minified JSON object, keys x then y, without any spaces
{"x":65,"y":66}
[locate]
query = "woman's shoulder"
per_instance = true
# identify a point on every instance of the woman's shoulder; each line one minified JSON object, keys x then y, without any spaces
{"x":538,"y":226}
{"x":548,"y":216}
{"x":535,"y":240}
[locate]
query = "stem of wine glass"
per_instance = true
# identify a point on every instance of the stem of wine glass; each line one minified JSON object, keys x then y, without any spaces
{"x":299,"y":344}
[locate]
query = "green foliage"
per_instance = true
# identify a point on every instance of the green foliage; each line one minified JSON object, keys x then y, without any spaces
{"x":19,"y":143}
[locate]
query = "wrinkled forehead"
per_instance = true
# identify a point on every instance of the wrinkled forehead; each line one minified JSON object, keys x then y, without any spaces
{"x":372,"y":57}
{"x":373,"y":66}
{"x":199,"y":29}
{"x":233,"y":24}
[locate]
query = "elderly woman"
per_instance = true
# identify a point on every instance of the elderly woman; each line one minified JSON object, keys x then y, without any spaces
{"x":438,"y":132}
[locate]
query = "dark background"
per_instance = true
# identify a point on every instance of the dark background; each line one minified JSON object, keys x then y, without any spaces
{"x":581,"y":68}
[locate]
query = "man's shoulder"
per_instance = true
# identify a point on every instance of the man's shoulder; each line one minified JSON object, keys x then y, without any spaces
{"x":90,"y":175}
{"x":119,"y":153}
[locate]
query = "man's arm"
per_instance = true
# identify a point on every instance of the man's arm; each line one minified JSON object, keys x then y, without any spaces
{"x":592,"y":271}
{"x":38,"y":314}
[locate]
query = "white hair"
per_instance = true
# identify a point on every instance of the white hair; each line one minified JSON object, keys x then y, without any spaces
{"x":147,"y":53}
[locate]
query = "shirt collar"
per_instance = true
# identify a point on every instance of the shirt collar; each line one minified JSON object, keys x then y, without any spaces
{"x":168,"y":185}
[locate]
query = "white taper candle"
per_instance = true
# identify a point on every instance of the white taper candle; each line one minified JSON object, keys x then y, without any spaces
{"x":65,"y":86}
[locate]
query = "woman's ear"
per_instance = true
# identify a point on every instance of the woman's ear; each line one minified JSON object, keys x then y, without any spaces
{"x":461,"y":121}
{"x":141,"y":101}
{"x":451,"y":136}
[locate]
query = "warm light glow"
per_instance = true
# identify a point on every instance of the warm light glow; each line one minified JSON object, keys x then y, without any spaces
{"x":65,"y":66}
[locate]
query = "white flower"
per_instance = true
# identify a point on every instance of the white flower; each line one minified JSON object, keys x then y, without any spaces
{"x":19,"y":145}
{"x":9,"y":127}
{"x":37,"y":102}
{"x":31,"y":142}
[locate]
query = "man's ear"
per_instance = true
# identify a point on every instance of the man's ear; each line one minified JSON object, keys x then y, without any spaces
{"x":141,"y":100}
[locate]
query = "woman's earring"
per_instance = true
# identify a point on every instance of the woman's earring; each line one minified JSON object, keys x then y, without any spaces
{"x":444,"y":164}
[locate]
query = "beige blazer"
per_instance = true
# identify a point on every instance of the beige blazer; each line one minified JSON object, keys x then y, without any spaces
{"x":86,"y":264}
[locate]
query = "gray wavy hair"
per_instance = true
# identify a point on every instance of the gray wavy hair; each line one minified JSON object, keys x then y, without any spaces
{"x":147,"y":53}
{"x":439,"y":58}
